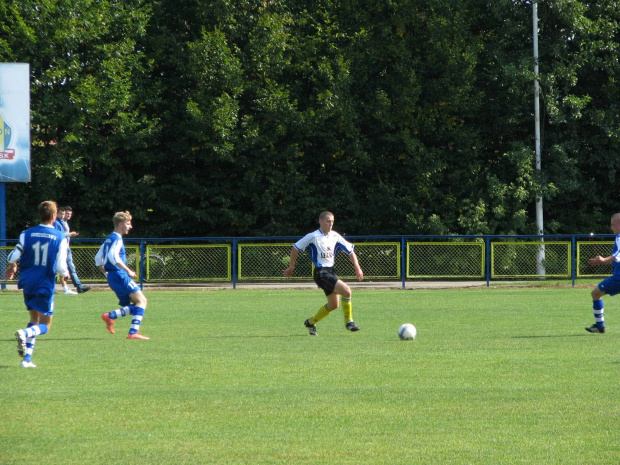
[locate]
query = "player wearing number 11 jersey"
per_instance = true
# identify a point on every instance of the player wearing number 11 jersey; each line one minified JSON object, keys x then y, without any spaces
{"x":42,"y":253}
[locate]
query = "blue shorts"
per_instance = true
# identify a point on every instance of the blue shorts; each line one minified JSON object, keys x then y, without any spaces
{"x":123,"y":286}
{"x":610,"y":285}
{"x":40,"y":302}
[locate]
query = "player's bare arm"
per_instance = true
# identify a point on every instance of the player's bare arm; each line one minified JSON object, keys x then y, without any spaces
{"x":291,"y":267}
{"x":9,"y":273}
{"x":130,"y":272}
{"x":358,"y":270}
{"x":598,"y":260}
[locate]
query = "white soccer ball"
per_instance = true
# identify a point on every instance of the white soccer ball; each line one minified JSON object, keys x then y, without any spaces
{"x":407,"y":332}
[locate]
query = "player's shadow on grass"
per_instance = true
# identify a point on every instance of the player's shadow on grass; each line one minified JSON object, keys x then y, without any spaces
{"x":255,"y":336}
{"x":550,"y":335}
{"x":48,"y":339}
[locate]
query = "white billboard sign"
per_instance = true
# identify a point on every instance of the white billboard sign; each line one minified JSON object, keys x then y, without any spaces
{"x":14,"y":122}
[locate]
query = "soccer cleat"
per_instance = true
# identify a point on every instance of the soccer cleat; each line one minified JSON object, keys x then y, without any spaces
{"x":137,"y":336}
{"x":26,"y":364}
{"x":311,"y":328}
{"x":20,"y":336}
{"x":84,"y":289}
{"x":351,"y":326}
{"x":595,"y":329}
{"x":69,"y":292}
{"x":109,"y":322}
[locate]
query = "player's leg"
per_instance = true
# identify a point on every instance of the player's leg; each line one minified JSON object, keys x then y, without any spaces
{"x":344,"y":290}
{"x":598,"y":308}
{"x":123,"y":286}
{"x":326,"y":280}
{"x":324,"y":310}
{"x":137,"y":313}
{"x":39,"y":324}
{"x":65,"y":287}
{"x":109,"y":318}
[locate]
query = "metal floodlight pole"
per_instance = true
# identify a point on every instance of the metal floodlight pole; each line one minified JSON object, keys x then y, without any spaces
{"x":540,"y":266}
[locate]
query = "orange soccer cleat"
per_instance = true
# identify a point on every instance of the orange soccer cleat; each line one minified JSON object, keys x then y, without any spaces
{"x":137,"y":336}
{"x":109,"y":322}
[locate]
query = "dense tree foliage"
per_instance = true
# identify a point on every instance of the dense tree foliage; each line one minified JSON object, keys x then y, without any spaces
{"x":232,"y":117}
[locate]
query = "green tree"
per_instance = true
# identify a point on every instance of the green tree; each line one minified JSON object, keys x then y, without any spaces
{"x":89,"y":135}
{"x":236,"y":117}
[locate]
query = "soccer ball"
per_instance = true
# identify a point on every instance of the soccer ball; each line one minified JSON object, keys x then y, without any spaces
{"x":407,"y":332}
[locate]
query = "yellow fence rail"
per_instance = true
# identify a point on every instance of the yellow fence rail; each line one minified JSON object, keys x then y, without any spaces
{"x":530,"y":259}
{"x":445,"y":260}
{"x":264,"y":259}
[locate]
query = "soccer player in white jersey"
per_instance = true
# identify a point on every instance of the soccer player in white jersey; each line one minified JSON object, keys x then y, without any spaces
{"x":323,"y":245}
{"x":61,"y":226}
{"x":609,"y":286}
{"x":111,"y":258}
{"x":42,"y":253}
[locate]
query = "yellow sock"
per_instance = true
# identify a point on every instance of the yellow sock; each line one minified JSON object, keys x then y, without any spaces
{"x":347,"y":309}
{"x":322,"y":313}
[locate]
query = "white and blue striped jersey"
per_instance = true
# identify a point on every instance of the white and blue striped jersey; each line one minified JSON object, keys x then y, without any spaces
{"x":42,"y":253}
{"x":615,"y":252}
{"x":111,"y":252}
{"x":323,"y":247}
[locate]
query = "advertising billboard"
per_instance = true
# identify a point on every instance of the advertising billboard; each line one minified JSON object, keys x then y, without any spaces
{"x":14,"y":122}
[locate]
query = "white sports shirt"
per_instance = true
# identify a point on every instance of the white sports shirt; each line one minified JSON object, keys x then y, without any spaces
{"x":323,"y":247}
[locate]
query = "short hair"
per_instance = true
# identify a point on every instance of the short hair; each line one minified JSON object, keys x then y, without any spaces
{"x":67,"y":209}
{"x":615,"y":217}
{"x":61,"y":209}
{"x":121,"y":217}
{"x":47,"y":210}
{"x":324,"y":214}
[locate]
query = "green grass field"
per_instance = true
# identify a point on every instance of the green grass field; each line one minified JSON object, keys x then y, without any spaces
{"x":496,"y":376}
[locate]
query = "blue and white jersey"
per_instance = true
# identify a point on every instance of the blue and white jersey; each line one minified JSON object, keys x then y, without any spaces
{"x":58,"y":225}
{"x":615,"y":252}
{"x":63,"y":227}
{"x":42,"y":253}
{"x":323,"y":247}
{"x":111,"y":252}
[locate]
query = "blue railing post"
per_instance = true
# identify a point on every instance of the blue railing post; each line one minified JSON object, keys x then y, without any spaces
{"x":573,"y":258}
{"x":487,"y":260}
{"x":142,"y":263}
{"x":234,"y":263}
{"x":403,"y":260}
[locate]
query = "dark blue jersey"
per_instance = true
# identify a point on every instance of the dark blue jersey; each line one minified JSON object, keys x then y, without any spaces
{"x":42,"y":253}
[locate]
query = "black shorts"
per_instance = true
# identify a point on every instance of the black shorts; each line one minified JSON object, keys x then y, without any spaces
{"x":326,"y":279}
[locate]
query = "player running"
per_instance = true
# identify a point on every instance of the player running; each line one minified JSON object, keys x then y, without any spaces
{"x":323,"y":245}
{"x":111,"y":258}
{"x":609,"y":286}
{"x":42,"y":253}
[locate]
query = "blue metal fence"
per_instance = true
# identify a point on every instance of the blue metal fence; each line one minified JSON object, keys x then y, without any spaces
{"x":399,"y":258}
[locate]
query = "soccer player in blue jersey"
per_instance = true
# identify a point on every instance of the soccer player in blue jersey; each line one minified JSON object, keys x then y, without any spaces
{"x":323,"y":245}
{"x":111,"y":258}
{"x":609,"y":286}
{"x":42,"y":253}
